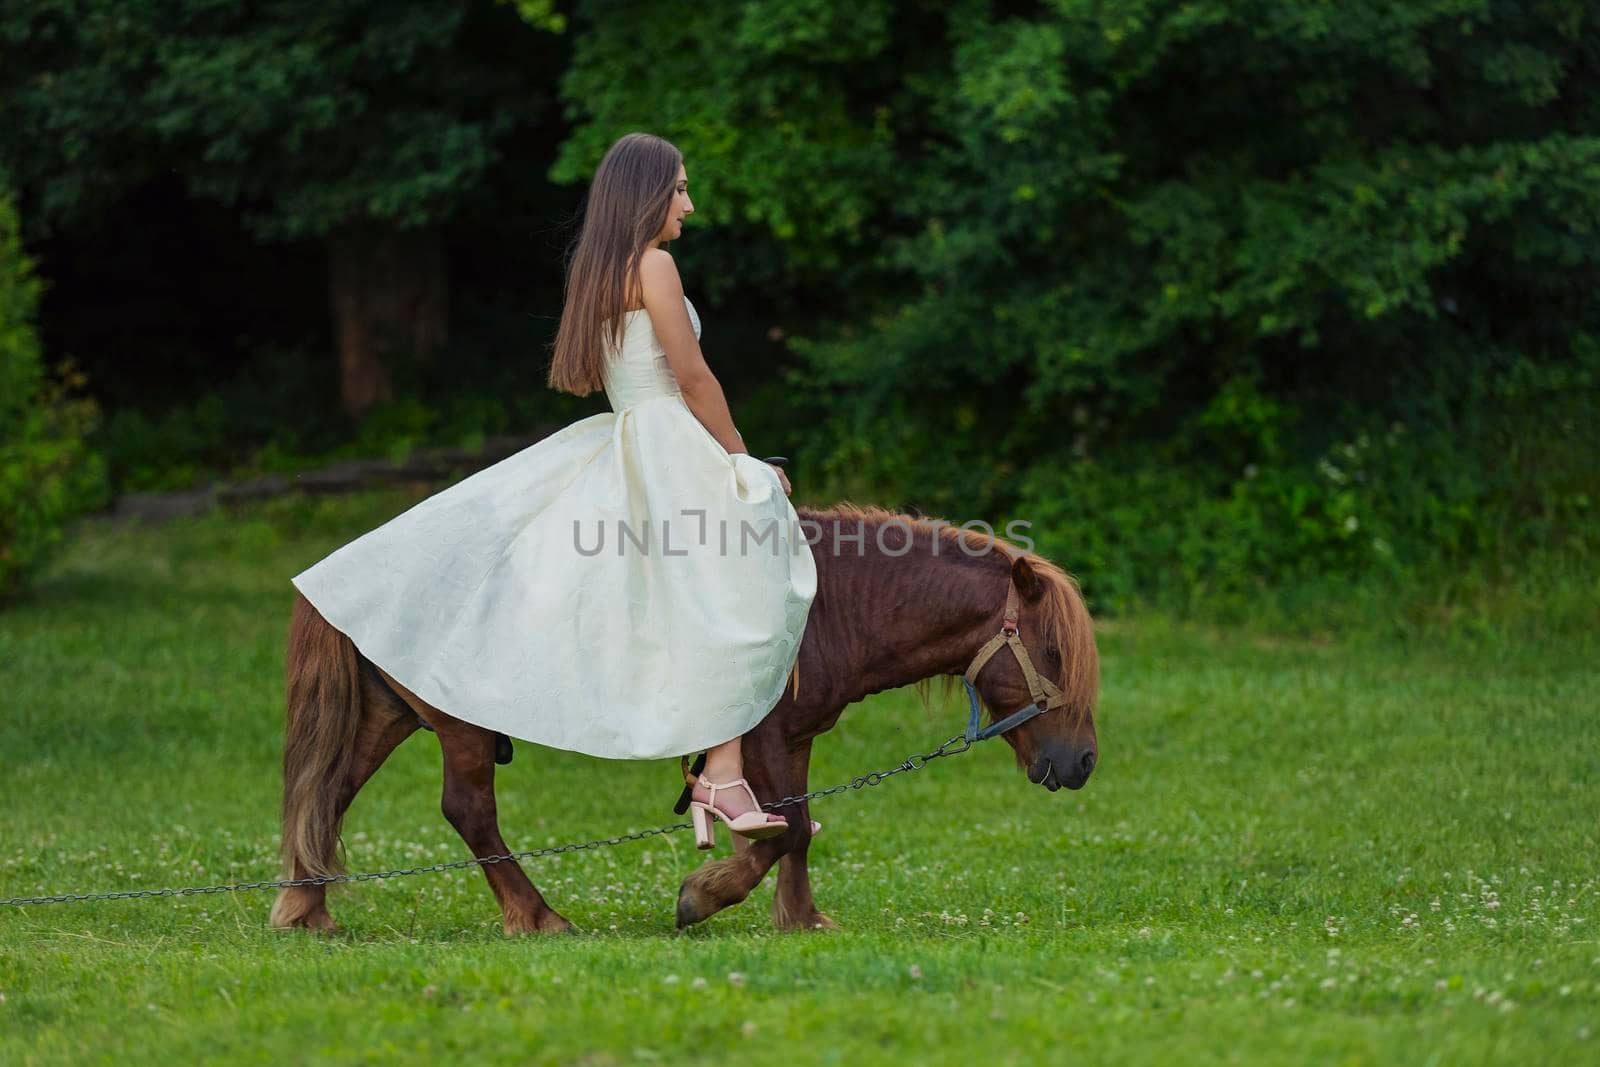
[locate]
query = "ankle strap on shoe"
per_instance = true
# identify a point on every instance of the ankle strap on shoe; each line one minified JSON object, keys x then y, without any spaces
{"x":734,"y":783}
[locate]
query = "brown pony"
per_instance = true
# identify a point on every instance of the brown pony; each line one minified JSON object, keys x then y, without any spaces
{"x":900,"y":600}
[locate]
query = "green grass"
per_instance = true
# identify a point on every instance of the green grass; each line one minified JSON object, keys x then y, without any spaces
{"x":1350,"y":850}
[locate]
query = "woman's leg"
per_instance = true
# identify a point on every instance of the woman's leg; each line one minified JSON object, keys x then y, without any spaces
{"x":724,"y":763}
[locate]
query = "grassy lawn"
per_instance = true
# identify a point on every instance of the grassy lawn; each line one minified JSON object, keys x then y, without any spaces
{"x":1346,"y":850}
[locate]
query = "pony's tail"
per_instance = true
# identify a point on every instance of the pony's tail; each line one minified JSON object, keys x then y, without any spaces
{"x":320,"y":722}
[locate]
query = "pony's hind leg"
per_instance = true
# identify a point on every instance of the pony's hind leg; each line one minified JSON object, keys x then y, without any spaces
{"x":337,"y":732}
{"x":469,"y":804}
{"x":380,"y":733}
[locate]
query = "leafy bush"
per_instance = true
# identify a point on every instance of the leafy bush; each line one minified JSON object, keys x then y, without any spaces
{"x":48,"y":473}
{"x":1503,"y":474}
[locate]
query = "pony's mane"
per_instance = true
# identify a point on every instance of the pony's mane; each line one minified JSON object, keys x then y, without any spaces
{"x":1063,"y":620}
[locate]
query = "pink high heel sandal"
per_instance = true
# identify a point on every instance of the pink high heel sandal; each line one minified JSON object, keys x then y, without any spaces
{"x":750,"y":824}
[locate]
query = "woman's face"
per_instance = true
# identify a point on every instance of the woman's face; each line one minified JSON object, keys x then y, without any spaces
{"x":681,"y":206}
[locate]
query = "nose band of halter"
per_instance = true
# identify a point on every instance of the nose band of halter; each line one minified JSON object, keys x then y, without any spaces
{"x":999,"y":726}
{"x":1045,"y":693}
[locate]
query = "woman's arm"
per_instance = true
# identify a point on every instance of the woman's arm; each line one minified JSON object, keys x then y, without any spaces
{"x":663,"y":302}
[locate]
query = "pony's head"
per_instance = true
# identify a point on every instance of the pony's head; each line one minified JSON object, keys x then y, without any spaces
{"x":1059,"y":747}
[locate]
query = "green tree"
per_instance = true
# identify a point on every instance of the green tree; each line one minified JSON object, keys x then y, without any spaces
{"x":366,"y":125}
{"x":1076,"y":237}
{"x":48,"y":475}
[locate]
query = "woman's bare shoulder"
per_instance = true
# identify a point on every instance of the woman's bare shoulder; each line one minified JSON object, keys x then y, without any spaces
{"x":658,"y":272}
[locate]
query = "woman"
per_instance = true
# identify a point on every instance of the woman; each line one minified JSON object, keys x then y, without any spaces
{"x":633,"y":586}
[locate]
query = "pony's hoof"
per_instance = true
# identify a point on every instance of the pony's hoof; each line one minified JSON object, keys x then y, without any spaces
{"x":783,"y":919}
{"x":299,"y":909}
{"x":551,"y":922}
{"x":556,"y":924}
{"x":322,"y":925}
{"x":712,"y":887}
{"x":691,"y":908}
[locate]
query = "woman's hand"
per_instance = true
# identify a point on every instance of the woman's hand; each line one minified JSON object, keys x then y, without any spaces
{"x":782,"y":477}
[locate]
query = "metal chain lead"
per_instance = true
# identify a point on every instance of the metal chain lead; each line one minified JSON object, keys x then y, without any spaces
{"x":917,"y":761}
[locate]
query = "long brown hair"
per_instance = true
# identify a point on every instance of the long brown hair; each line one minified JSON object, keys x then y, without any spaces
{"x":625,"y":208}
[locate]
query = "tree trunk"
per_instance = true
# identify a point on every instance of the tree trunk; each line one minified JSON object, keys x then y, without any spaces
{"x":389,"y":292}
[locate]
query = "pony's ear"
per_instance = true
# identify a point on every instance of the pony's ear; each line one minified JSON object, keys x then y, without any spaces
{"x":1028,"y":582}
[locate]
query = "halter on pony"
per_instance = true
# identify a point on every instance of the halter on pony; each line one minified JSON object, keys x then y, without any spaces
{"x":1045,"y":693}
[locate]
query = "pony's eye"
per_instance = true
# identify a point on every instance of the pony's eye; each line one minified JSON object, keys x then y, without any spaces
{"x":1052,"y":653}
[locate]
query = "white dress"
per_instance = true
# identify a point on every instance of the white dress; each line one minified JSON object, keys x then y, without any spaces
{"x":623,"y":587}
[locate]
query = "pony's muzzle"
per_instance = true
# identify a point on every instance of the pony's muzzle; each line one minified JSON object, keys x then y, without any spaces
{"x":1059,"y":765}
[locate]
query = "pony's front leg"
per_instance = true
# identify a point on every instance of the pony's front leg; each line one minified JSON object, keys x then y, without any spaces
{"x":792,"y":905}
{"x":725,"y":882}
